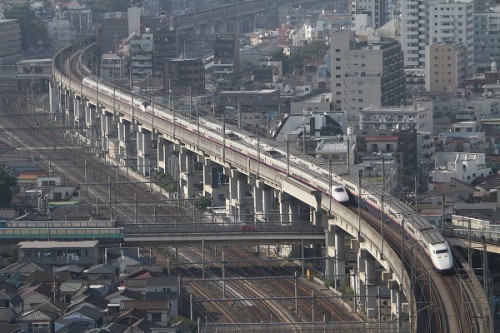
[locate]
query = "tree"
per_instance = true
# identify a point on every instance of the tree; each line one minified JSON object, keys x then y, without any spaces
{"x":202,"y":203}
{"x":7,"y":185}
{"x":167,"y":182}
{"x":311,"y":51}
{"x":33,"y":30}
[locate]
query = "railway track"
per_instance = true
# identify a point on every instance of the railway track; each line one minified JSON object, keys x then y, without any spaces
{"x":441,"y":302}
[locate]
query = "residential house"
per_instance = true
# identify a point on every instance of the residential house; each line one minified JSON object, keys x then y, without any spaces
{"x":59,"y":253}
{"x":88,"y":298}
{"x":41,"y":318}
{"x":127,"y":258}
{"x":69,"y":288}
{"x":86,"y":316}
{"x":35,"y":295}
{"x":465,"y":167}
{"x":158,"y":311}
{"x":21,"y":269}
{"x":153,"y":269}
{"x":116,"y":298}
{"x":10,"y":300}
{"x":130,"y":316}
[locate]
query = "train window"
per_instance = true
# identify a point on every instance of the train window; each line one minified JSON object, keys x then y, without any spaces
{"x":441,"y":251}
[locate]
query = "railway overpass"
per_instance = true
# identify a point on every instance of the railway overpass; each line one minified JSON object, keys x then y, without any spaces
{"x":255,"y":191}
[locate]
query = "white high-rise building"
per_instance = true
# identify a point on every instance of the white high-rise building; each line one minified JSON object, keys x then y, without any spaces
{"x":414,"y":32}
{"x":486,"y":36}
{"x":453,"y":22}
{"x":425,"y":22}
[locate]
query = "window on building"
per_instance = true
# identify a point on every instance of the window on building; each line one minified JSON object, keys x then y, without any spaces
{"x":156,"y":317}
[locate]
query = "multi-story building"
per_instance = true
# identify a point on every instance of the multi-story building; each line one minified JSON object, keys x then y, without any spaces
{"x":453,"y":22}
{"x":55,"y":253}
{"x":365,"y":73}
{"x":141,"y":55}
{"x":250,"y":108}
{"x":376,"y":11}
{"x":112,"y":67}
{"x":464,"y":167}
{"x":400,"y":144}
{"x":185,"y":76}
{"x":396,"y":118}
{"x":10,"y":38}
{"x":226,"y":57}
{"x":445,"y":67}
{"x":486,"y":36}
{"x":165,"y":47}
{"x":426,"y":22}
{"x":59,"y":32}
{"x":111,"y":32}
{"x":414,"y":32}
{"x":79,"y":17}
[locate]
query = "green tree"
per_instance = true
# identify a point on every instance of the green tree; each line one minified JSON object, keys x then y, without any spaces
{"x":33,"y":30}
{"x":311,"y":51}
{"x":202,"y":203}
{"x":167,"y":182}
{"x":7,"y":186}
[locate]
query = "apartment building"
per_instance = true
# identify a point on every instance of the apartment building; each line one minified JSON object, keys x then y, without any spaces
{"x":414,"y":32}
{"x":10,"y":38}
{"x":416,"y":117}
{"x":365,"y":73}
{"x":226,"y":57}
{"x":453,"y":22}
{"x":486,"y":36}
{"x":445,"y":67}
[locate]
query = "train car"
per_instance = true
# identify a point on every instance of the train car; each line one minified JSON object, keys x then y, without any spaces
{"x":305,"y":170}
{"x":340,"y":194}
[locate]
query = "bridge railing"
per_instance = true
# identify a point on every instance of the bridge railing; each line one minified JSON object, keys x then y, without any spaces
{"x":489,"y":237}
{"x":223,"y":228}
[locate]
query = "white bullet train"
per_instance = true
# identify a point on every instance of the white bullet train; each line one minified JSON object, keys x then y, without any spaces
{"x":307,"y":170}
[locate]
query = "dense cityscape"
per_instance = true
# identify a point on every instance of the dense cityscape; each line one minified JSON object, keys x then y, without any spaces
{"x":249,"y":166}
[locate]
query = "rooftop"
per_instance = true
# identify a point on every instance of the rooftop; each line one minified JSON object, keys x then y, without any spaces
{"x":56,"y":245}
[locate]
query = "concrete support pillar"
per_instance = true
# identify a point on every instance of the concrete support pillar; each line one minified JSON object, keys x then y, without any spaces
{"x":233,"y":185}
{"x":207,"y":173}
{"x":395,"y":302}
{"x":294,"y":210}
{"x":360,"y":289}
{"x":124,"y":138}
{"x":370,"y":285}
{"x":143,"y":148}
{"x":165,"y":152}
{"x":258,"y":202}
{"x":160,"y":154}
{"x":330,"y":251}
{"x":78,"y":113}
{"x":284,"y":207}
{"x":267,"y":198}
{"x":186,"y":166}
{"x":340,"y":256}
{"x":237,"y":194}
{"x":242,"y":187}
{"x":90,"y":123}
{"x":107,"y":128}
